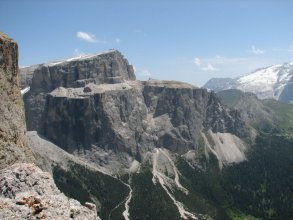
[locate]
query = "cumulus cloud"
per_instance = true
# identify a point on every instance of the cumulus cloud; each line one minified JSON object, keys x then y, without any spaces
{"x":86,"y":36}
{"x":257,"y":51}
{"x":142,"y":72}
{"x":209,"y":67}
{"x":204,"y":65}
{"x":197,"y":61}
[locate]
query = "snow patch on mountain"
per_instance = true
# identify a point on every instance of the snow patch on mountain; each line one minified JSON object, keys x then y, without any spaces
{"x":77,"y":58}
{"x":25,"y":90}
{"x":268,"y":82}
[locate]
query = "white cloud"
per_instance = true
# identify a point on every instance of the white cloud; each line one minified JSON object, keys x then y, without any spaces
{"x":86,"y":37}
{"x":142,"y":72}
{"x":197,"y":61}
{"x":205,"y":65}
{"x":209,"y":67}
{"x":257,"y":51}
{"x":117,"y":40}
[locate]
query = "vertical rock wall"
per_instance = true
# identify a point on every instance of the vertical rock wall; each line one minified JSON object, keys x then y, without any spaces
{"x":13,"y":145}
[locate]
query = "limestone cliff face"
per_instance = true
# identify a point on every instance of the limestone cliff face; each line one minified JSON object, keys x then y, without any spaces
{"x":94,"y":115}
{"x":135,"y":117}
{"x":13,"y":145}
{"x":191,"y":110}
{"x":110,"y":67}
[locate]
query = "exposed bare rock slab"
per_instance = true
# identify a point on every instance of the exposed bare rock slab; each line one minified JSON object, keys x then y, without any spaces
{"x":29,"y":193}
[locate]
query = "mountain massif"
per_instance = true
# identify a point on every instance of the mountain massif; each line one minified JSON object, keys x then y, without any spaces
{"x":106,"y":120}
{"x":274,"y":82}
{"x":157,"y":149}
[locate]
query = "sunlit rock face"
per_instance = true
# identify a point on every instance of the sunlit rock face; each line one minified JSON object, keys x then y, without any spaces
{"x":93,"y":106}
{"x":13,"y":145}
{"x":109,"y":67}
{"x":29,"y":193}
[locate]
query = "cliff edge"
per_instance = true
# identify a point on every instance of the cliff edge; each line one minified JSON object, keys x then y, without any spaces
{"x":13,"y":144}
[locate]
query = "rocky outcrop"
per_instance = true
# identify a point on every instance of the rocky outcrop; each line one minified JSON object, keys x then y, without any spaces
{"x":29,"y":193}
{"x":252,"y":109}
{"x":13,"y":145}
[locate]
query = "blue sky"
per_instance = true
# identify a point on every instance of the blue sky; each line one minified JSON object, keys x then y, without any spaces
{"x":184,"y":40}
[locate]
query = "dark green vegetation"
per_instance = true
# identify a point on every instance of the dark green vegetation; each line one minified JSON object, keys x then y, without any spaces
{"x":150,"y":201}
{"x":89,"y":186}
{"x":283,"y":113}
{"x":263,"y":185}
{"x":271,"y":116}
{"x":206,"y":195}
{"x":230,"y":97}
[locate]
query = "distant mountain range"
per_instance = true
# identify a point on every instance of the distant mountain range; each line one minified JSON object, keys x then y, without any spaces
{"x":269,"y":82}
